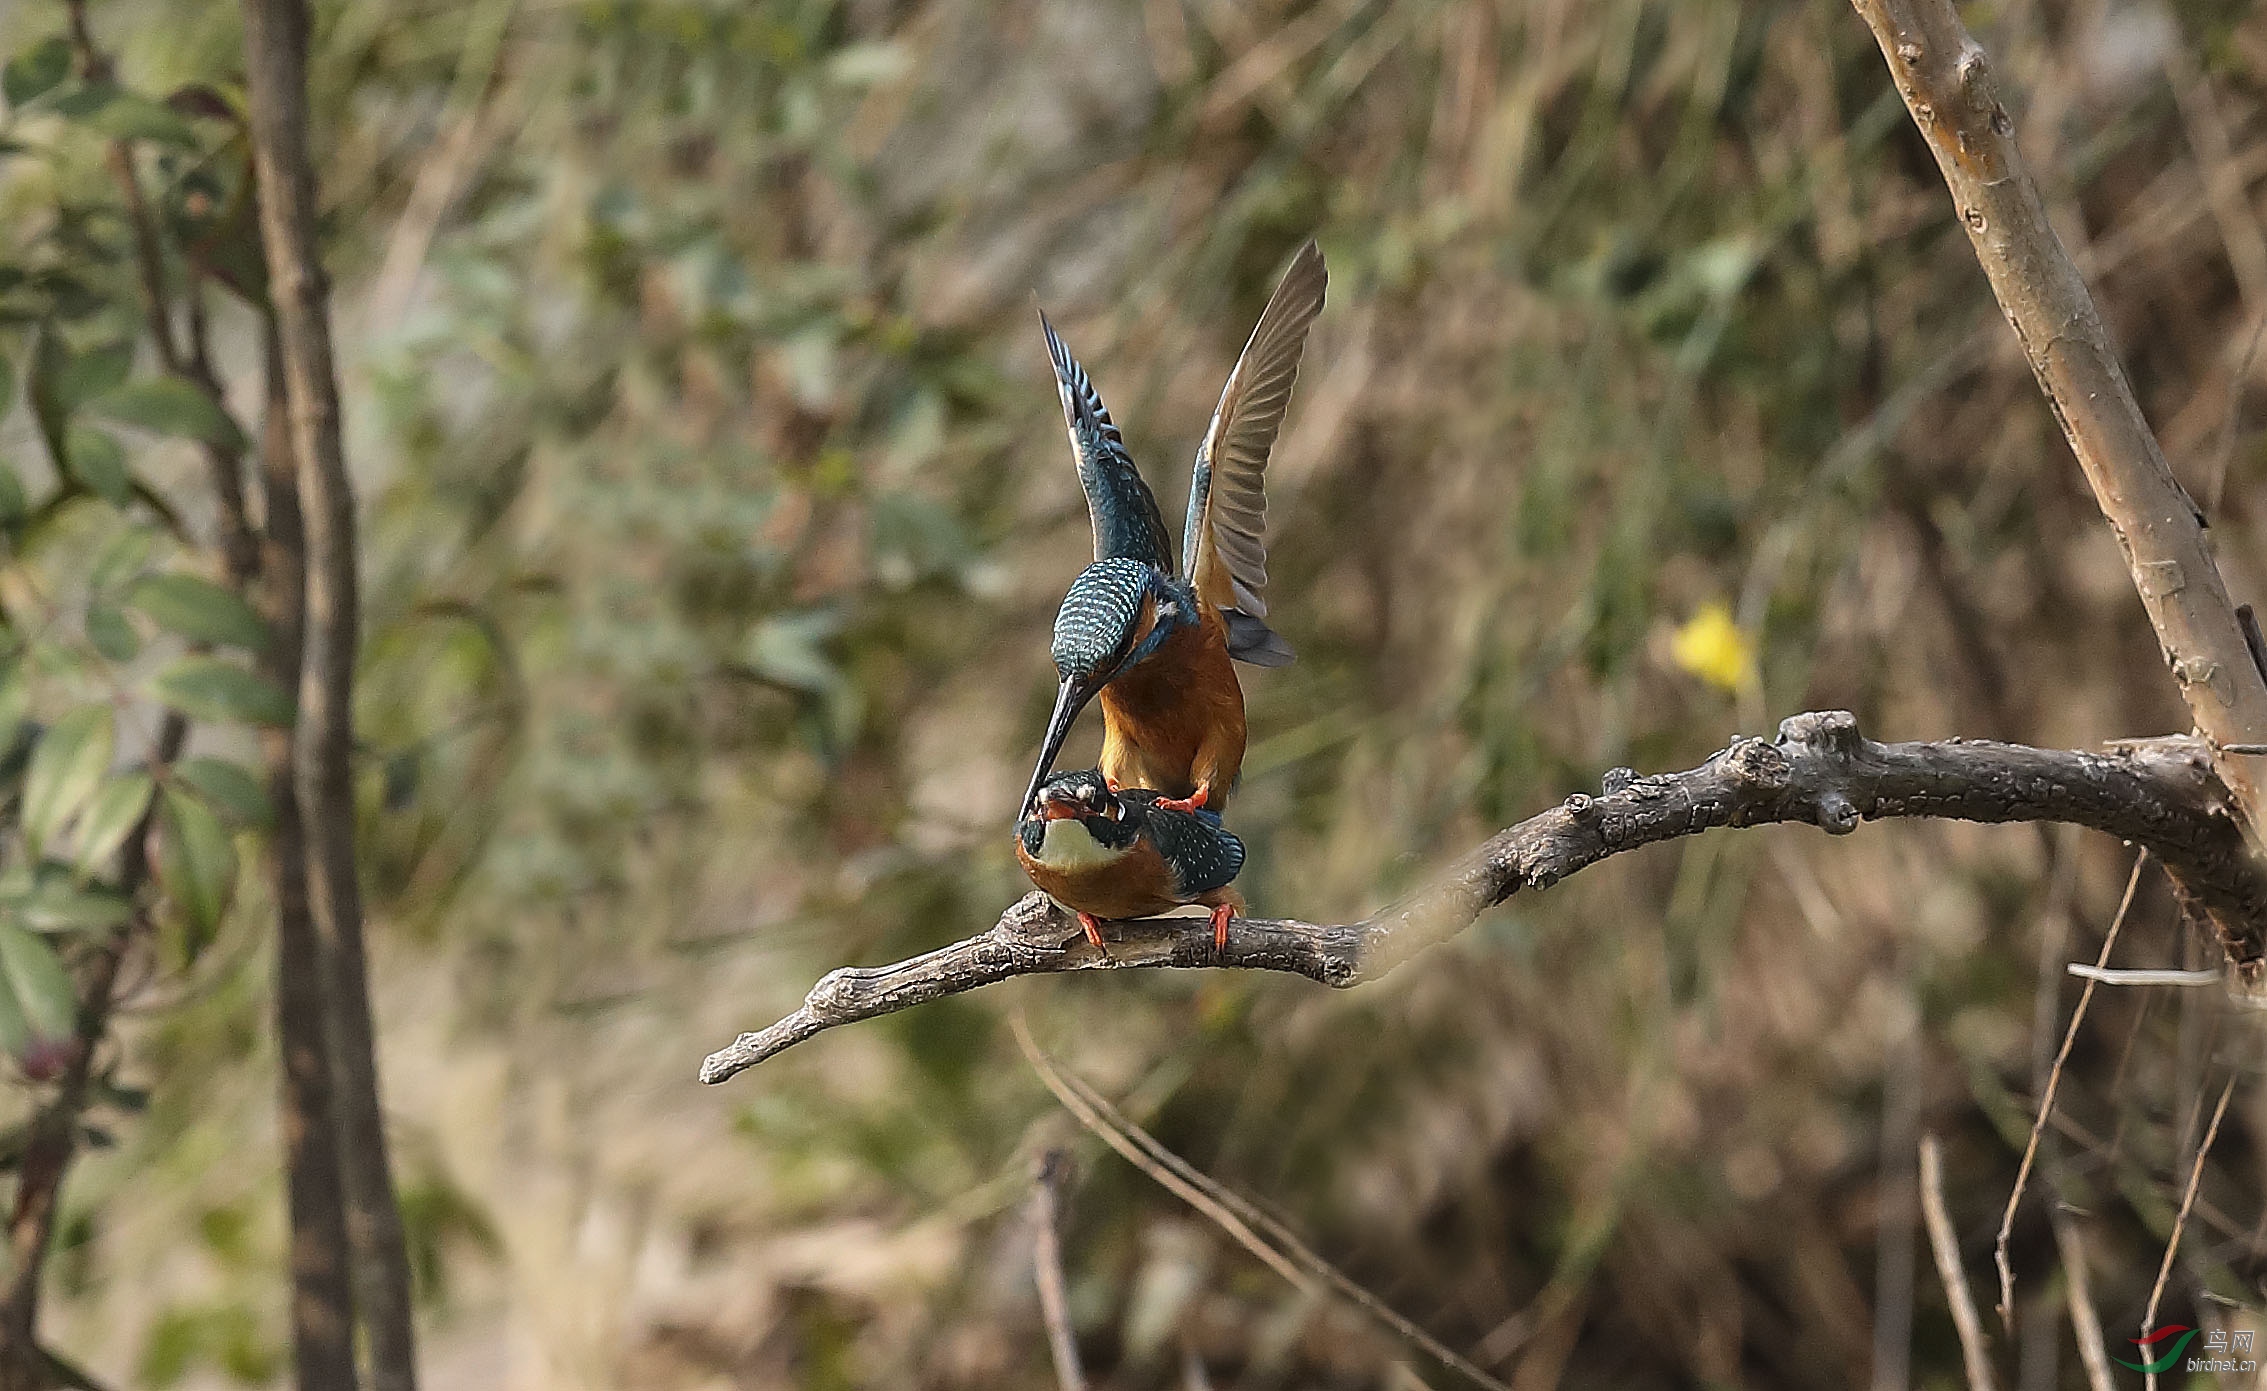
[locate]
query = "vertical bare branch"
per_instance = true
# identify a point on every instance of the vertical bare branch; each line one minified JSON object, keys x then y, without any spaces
{"x":2084,"y":1325}
{"x":322,"y":1303}
{"x":1948,"y":86}
{"x":1047,"y":1271}
{"x":1944,"y":1243}
{"x":2180,"y":1219}
{"x":275,"y":60}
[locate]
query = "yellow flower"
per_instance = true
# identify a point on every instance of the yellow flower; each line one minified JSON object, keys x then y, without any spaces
{"x":1714,"y":648}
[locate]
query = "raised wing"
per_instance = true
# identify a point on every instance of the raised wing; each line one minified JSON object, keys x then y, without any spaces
{"x":1225,"y":544}
{"x":1123,"y":510}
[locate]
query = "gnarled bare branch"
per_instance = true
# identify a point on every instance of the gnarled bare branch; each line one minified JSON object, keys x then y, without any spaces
{"x":2159,"y":793}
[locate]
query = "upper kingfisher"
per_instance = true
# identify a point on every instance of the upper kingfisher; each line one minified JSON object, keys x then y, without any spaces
{"x":1103,"y":853}
{"x":1154,"y":642}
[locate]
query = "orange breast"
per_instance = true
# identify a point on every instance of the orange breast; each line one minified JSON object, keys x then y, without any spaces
{"x":1134,"y":885}
{"x":1177,"y":720}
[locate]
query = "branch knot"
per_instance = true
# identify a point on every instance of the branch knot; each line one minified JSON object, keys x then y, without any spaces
{"x":1757,"y":765}
{"x":1829,"y":731}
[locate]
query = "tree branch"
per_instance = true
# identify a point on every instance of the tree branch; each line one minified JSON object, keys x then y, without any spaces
{"x":2159,"y":793}
{"x":275,"y":66}
{"x":322,"y":1294}
{"x":53,"y":1141}
{"x":1947,"y":84}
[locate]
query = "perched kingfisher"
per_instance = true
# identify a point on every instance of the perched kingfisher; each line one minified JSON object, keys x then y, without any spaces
{"x":1156,"y":643}
{"x":1106,"y":853}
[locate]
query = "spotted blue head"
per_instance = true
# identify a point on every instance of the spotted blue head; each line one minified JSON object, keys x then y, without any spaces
{"x":1117,"y":614}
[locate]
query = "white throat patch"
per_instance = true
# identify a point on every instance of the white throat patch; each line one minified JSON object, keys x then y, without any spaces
{"x":1068,"y":845}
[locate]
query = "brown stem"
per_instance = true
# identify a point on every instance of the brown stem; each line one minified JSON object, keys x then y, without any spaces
{"x":224,"y":464}
{"x":1947,"y":85}
{"x":149,"y":258}
{"x":322,"y":1303}
{"x":2159,"y":793}
{"x":240,"y":549}
{"x":275,"y":54}
{"x":53,"y":1141}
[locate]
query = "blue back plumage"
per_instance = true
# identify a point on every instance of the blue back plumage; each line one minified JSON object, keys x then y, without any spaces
{"x":1099,"y":614}
{"x":1127,"y":522}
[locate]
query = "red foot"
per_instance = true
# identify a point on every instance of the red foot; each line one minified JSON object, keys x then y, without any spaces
{"x":1189,"y":803}
{"x":1093,"y":932}
{"x":1220,"y":916}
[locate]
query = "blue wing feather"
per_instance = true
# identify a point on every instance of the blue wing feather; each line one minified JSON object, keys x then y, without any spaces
{"x":1204,"y":854}
{"x":1124,"y":512}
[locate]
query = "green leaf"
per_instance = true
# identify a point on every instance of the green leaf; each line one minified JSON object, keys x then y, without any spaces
{"x":65,"y":770}
{"x":97,"y":460}
{"x":111,"y":110}
{"x":198,"y":610}
{"x":208,"y":688}
{"x":36,"y":999}
{"x":132,"y":116}
{"x":60,"y":908}
{"x":196,"y":863}
{"x":169,"y":406}
{"x":230,"y":787}
{"x":74,"y":378}
{"x":123,"y":556}
{"x":34,"y":72}
{"x":13,"y":506}
{"x":110,"y":818}
{"x":15,"y":701}
{"x":111,"y":634}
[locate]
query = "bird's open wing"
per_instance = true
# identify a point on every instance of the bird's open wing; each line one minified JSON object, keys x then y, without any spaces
{"x":1225,"y":546}
{"x":1124,"y":512}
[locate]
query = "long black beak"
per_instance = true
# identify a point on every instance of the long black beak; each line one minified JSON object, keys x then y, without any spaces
{"x":1070,"y":698}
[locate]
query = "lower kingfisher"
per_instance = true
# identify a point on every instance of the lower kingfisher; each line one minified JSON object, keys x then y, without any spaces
{"x":1106,"y":853}
{"x":1157,"y":645}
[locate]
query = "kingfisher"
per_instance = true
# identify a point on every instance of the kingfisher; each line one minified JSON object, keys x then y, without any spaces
{"x":1156,"y":641}
{"x":1103,"y":852}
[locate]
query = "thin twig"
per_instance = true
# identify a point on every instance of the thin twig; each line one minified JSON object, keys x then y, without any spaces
{"x":2077,"y":1288}
{"x":2046,"y":1099}
{"x":1280,"y":1248}
{"x":2180,"y":1219}
{"x":1945,"y":1245}
{"x":1047,"y":1271}
{"x":1820,"y":771}
{"x":2095,"y":975}
{"x":2224,"y":456}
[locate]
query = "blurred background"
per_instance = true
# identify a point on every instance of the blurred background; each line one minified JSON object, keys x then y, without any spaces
{"x":716,"y":507}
